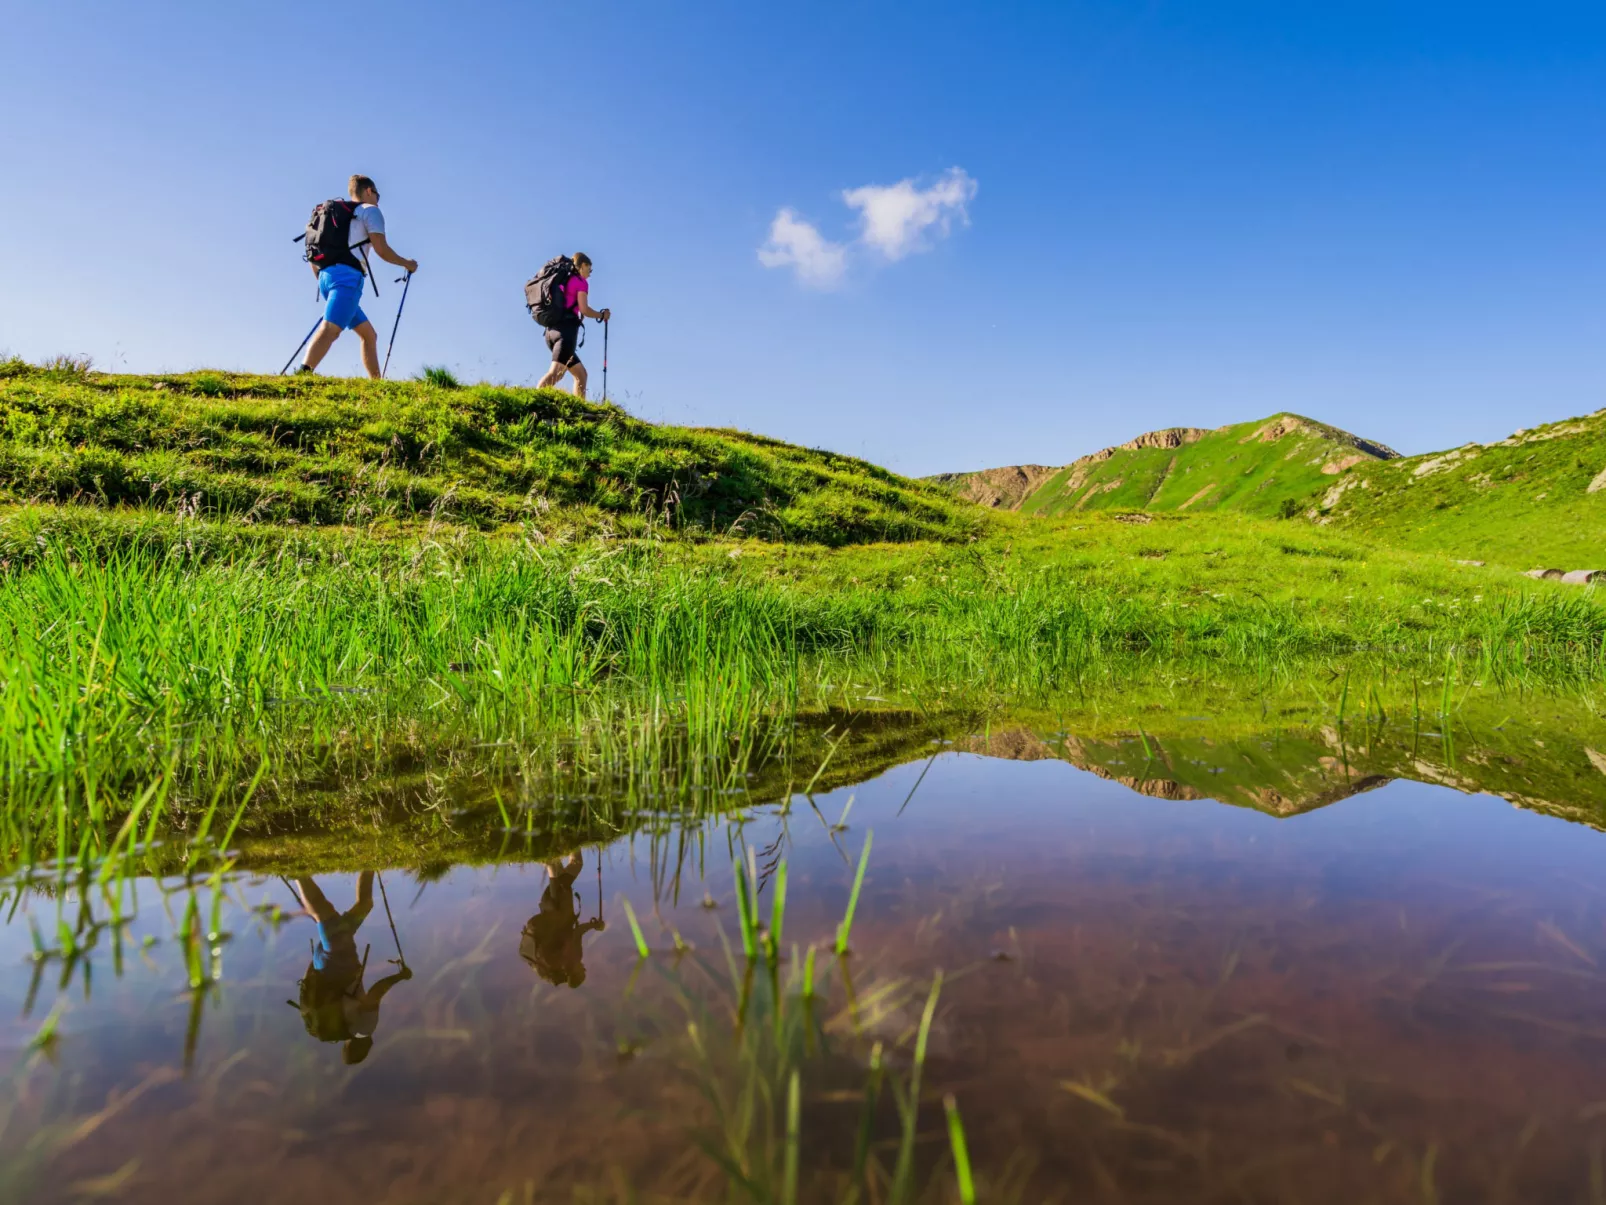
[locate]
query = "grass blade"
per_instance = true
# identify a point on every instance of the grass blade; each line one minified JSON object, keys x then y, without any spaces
{"x":635,"y":931}
{"x":956,"y":1140}
{"x":794,"y":1109}
{"x":846,"y":927}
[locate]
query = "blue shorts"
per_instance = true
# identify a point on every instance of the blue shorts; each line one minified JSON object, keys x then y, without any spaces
{"x":340,"y":289}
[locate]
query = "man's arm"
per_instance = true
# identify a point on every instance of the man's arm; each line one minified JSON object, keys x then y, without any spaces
{"x":583,"y":300}
{"x":382,"y":249}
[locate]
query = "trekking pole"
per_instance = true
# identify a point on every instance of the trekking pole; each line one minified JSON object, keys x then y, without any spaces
{"x":297,"y":351}
{"x":406,"y":283}
{"x":400,"y":957}
{"x":604,"y":375}
{"x":368,"y":264}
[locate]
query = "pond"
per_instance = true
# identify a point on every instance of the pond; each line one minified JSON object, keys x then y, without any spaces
{"x":1292,"y":962}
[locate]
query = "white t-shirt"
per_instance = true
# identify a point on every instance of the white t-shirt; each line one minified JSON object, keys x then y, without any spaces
{"x":366,"y":221}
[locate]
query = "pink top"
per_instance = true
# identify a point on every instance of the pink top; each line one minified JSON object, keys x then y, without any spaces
{"x":572,"y":288}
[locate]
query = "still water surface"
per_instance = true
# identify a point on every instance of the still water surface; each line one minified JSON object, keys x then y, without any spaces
{"x":1385,"y":990}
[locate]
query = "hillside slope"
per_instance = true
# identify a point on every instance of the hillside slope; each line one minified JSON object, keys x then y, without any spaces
{"x":328,"y":451}
{"x":1535,"y":499}
{"x":1266,"y":467}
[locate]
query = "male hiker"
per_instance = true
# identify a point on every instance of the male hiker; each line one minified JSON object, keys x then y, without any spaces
{"x":338,"y":237}
{"x":562,"y":305}
{"x":334,"y":1004}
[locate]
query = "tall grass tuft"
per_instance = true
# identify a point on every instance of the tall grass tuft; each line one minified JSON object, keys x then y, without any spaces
{"x":439,"y":376}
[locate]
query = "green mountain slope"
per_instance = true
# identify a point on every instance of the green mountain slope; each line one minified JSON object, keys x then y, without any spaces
{"x":326,"y":451}
{"x":1537,"y":499}
{"x":1262,"y":468}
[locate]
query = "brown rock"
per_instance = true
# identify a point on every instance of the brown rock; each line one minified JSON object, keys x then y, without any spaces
{"x":1548,"y":575}
{"x":1582,"y":577}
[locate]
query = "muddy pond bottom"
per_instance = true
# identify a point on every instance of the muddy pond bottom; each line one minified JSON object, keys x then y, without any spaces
{"x":1394,"y":997}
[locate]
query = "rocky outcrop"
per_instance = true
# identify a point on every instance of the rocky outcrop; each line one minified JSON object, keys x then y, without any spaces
{"x":1170,"y":437}
{"x":1002,"y":489}
{"x":1574,"y":577}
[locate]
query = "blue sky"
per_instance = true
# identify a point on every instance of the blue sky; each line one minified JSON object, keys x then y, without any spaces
{"x":1387,"y":216}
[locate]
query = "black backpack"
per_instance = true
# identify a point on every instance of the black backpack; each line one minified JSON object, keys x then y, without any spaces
{"x":543,"y":293}
{"x":328,"y":236}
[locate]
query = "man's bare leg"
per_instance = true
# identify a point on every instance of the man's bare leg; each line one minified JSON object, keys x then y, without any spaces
{"x":365,"y":897}
{"x":370,"y":349}
{"x":321,"y":343}
{"x":314,"y":900}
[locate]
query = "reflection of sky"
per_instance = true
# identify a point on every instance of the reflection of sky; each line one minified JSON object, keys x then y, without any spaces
{"x":988,"y":844}
{"x":1028,"y":820}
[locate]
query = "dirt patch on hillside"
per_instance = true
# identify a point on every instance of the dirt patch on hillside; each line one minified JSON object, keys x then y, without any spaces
{"x":1334,"y":467}
{"x":1199,"y":497}
{"x":1285,"y":424}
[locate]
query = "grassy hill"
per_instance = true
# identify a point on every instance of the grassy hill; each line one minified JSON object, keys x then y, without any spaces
{"x":1263,"y":468}
{"x":1537,"y":499}
{"x":326,"y":451}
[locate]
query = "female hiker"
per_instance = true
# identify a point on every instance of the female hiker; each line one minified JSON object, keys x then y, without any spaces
{"x":564,"y":333}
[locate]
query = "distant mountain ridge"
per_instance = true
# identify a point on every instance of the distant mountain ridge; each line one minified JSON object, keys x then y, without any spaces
{"x":1265,"y":467}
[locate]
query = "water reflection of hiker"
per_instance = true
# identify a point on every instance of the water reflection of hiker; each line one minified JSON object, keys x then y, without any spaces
{"x":335,"y":1007}
{"x":551,"y":939}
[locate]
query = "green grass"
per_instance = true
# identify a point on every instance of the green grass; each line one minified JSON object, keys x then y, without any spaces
{"x":1523,"y":502}
{"x":369,"y":454}
{"x":218,"y":635}
{"x":160,"y":639}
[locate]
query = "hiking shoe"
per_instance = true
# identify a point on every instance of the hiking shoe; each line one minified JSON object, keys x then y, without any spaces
{"x":305,"y":369}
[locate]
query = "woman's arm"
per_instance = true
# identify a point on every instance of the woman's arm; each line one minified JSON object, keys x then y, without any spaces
{"x":582,"y":299}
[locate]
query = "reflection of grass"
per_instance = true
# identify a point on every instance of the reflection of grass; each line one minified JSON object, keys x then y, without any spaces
{"x":1274,"y":745}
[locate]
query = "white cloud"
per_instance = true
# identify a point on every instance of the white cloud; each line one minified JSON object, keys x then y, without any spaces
{"x":794,"y":243}
{"x":895,"y":219}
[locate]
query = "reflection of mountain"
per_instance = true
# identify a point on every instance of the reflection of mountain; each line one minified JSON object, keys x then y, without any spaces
{"x":1282,"y":767}
{"x":1285,"y":772}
